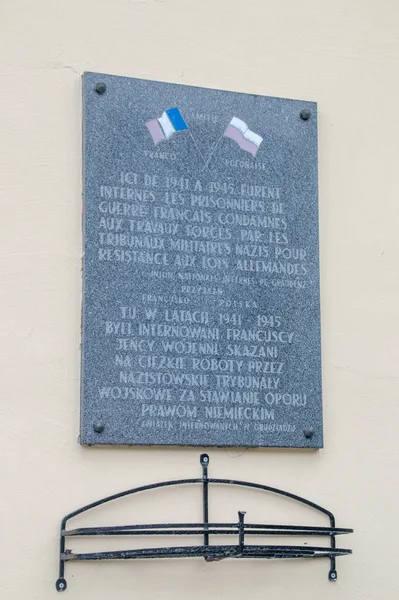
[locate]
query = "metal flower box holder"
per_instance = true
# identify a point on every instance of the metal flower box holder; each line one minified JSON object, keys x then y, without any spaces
{"x":210,"y":552}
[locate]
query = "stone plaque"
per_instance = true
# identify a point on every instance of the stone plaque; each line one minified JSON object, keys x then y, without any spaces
{"x":201,"y":317}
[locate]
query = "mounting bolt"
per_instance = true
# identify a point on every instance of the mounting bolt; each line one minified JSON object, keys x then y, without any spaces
{"x":100,"y":88}
{"x":98,"y":427}
{"x":333,"y":576}
{"x":61,"y":585}
{"x":308,"y":433}
{"x":305,"y":114}
{"x":204,"y":459}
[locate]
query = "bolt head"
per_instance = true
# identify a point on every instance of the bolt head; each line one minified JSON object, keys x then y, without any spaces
{"x":61,"y":585}
{"x":205,"y":459}
{"x":308,"y":433}
{"x":100,"y":88}
{"x":98,"y":427}
{"x":305,"y":114}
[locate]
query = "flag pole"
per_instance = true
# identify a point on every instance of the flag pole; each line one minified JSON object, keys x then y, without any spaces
{"x":196,"y":145}
{"x":212,"y":152}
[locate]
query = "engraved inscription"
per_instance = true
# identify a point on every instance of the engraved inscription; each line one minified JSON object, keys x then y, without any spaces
{"x":201,"y":291}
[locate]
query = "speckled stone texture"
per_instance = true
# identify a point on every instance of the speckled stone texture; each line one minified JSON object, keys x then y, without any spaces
{"x":201,"y":316}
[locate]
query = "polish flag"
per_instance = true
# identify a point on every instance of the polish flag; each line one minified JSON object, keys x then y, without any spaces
{"x":239,"y":132}
{"x":168,"y":123}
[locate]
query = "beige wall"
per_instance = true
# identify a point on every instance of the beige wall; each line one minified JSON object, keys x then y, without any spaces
{"x":344,"y":55}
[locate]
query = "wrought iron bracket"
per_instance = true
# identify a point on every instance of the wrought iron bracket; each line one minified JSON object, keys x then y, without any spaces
{"x":206,"y":529}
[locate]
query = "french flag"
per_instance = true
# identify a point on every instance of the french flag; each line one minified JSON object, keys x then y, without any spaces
{"x":164,"y":127}
{"x":239,"y":132}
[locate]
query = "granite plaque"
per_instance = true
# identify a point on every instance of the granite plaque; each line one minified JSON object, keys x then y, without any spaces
{"x":201,"y":320}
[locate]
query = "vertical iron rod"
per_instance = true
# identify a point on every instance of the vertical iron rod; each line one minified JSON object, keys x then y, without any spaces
{"x":61,"y":584}
{"x":62,"y":562}
{"x":332,"y":576}
{"x":241,"y":515}
{"x":205,"y":462}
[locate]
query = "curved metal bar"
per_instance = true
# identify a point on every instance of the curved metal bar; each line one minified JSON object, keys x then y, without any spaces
{"x":142,"y":488}
{"x":273,"y":490}
{"x":163,"y":484}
